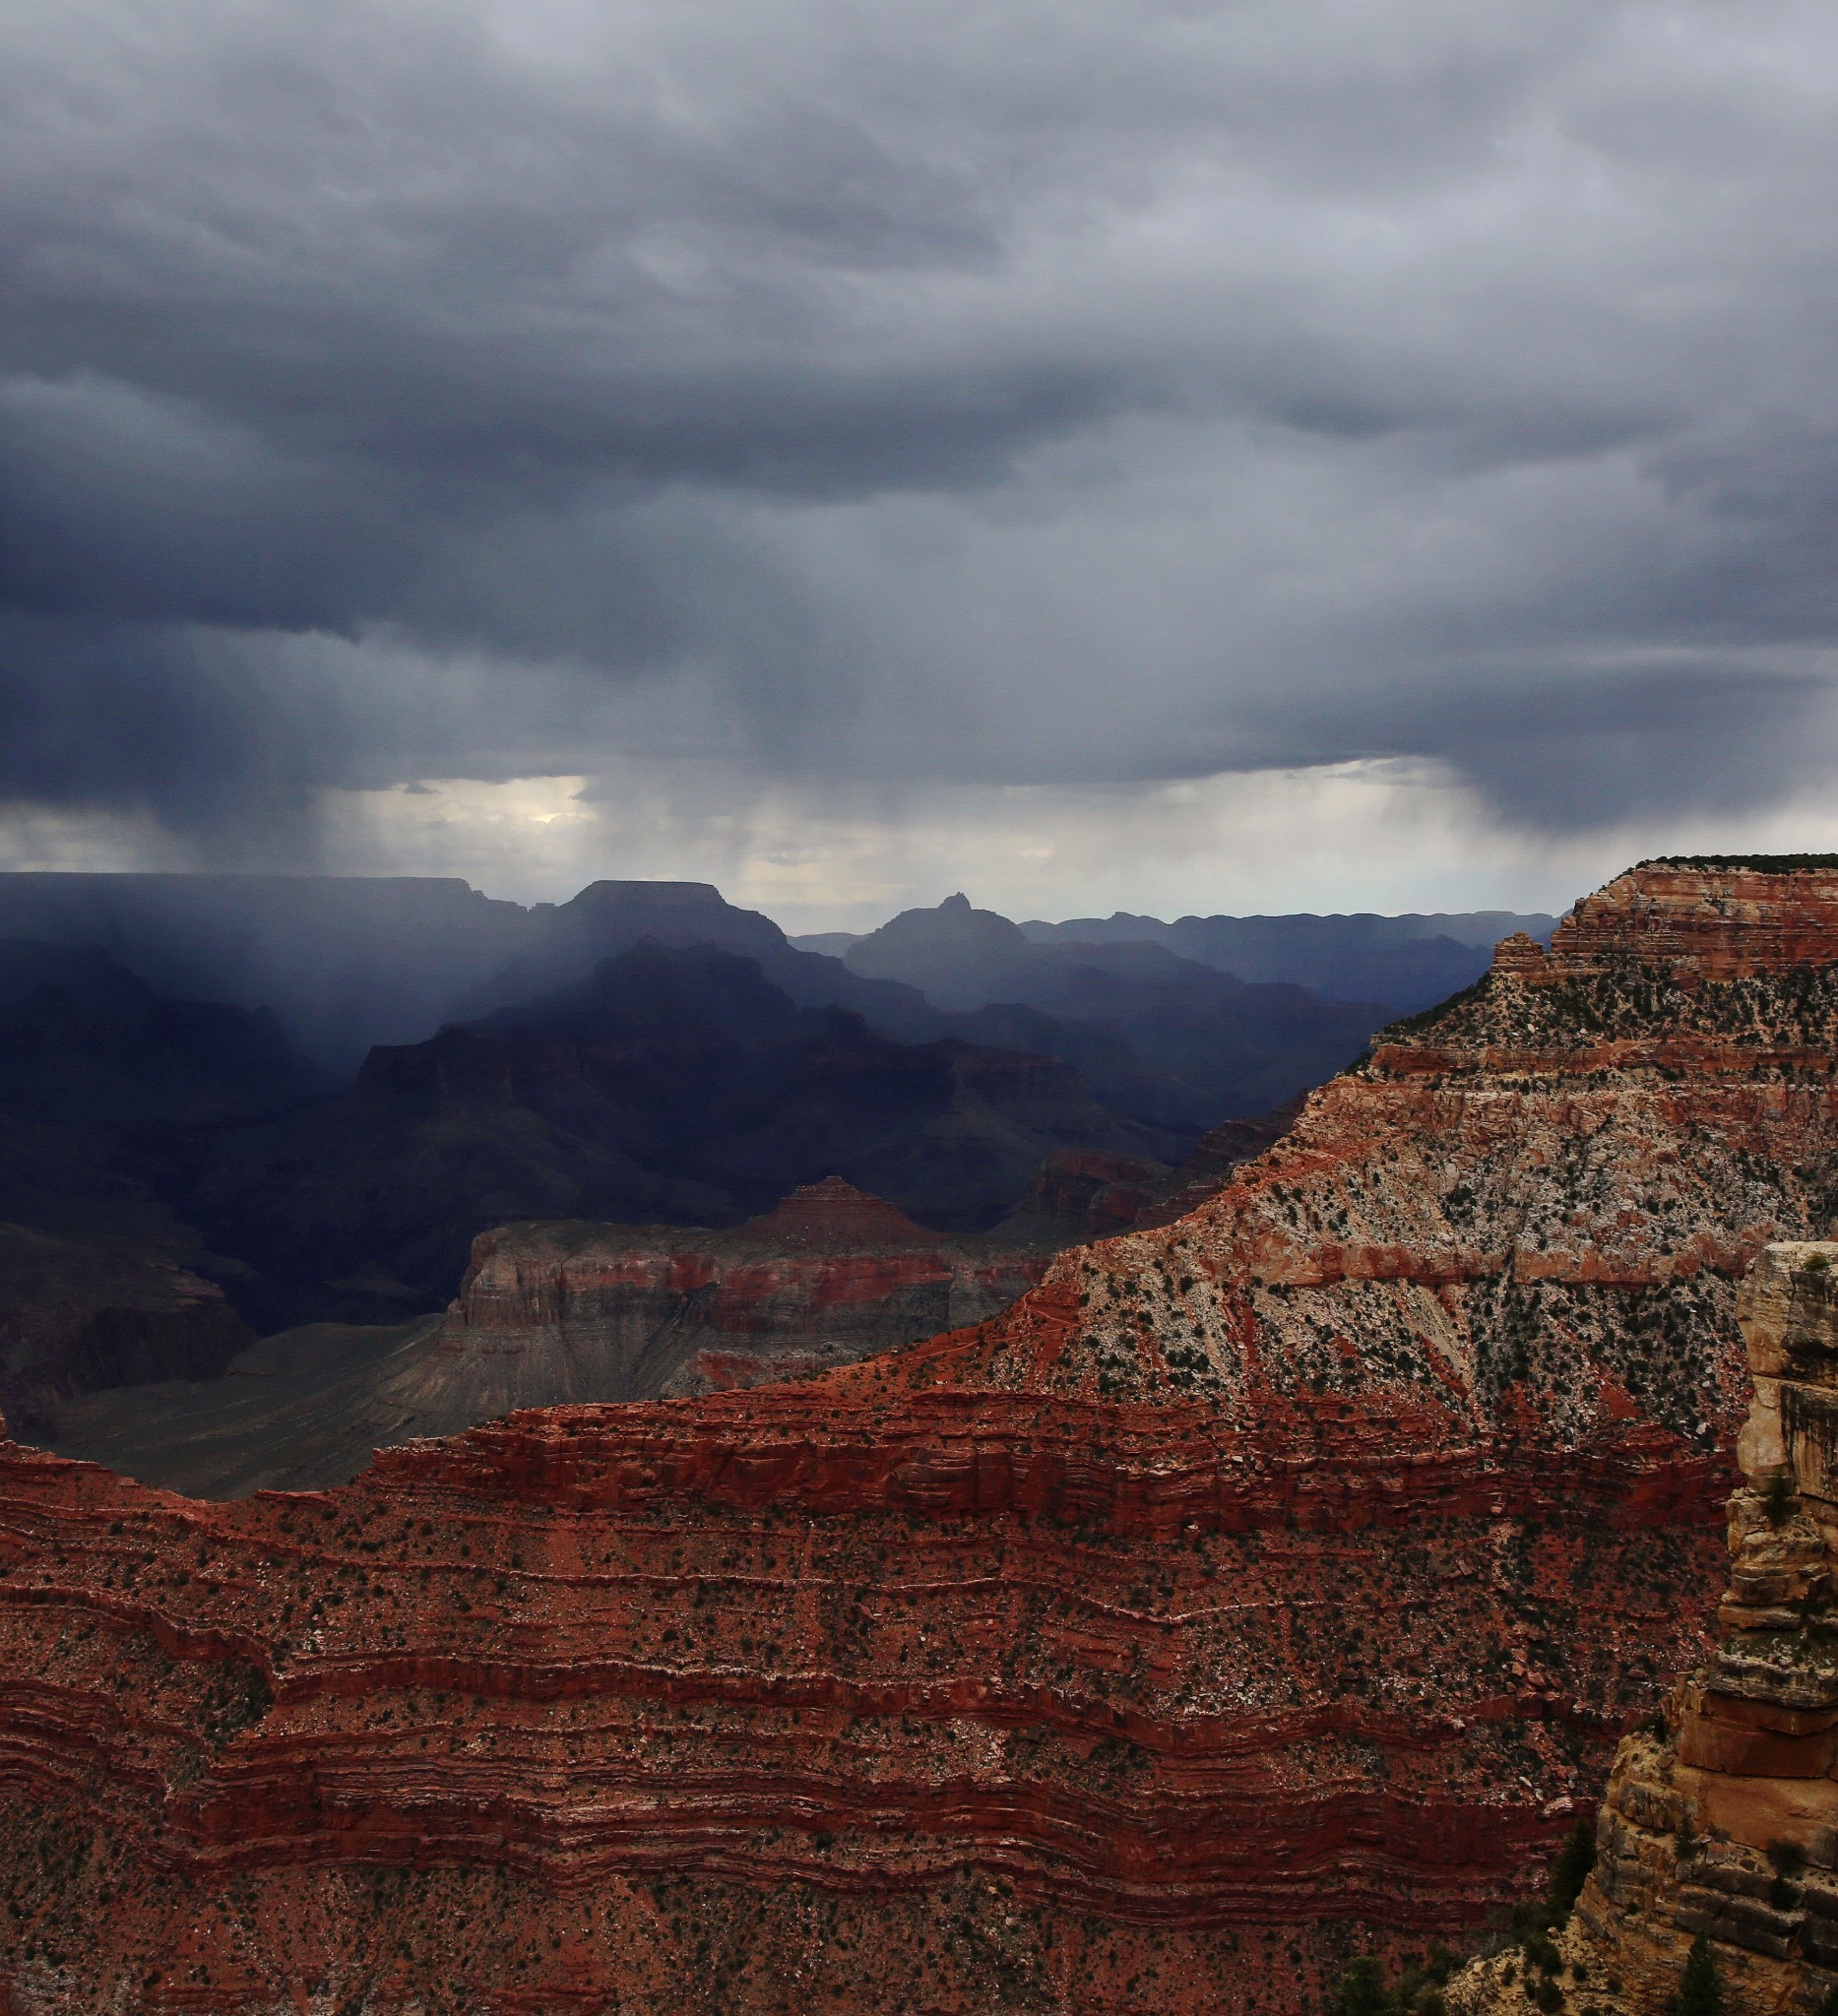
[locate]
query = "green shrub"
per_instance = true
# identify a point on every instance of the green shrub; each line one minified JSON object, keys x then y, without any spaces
{"x":1542,"y":1953}
{"x":1816,"y":1263}
{"x":1780,"y":1497}
{"x":1701,"y":1986}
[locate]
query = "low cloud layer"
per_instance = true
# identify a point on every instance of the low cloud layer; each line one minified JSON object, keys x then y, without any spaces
{"x":1064,"y":396}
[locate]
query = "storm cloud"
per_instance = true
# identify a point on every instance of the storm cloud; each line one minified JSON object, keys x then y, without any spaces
{"x":1015,"y":391}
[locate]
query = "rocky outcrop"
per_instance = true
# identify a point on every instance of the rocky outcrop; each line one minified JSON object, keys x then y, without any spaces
{"x":1257,"y":1581}
{"x":1711,"y":917}
{"x":557,"y":1313}
{"x":78,"y":1314}
{"x":1722,"y":1818}
{"x":553,"y":1313}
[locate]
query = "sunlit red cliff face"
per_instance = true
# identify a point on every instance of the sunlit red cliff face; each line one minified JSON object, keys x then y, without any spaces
{"x":1270,"y":1581}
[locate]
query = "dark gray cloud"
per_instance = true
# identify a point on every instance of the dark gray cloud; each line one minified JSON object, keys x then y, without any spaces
{"x":1015,"y":391}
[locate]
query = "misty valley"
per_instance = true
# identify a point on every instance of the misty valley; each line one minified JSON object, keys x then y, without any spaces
{"x":235,"y":1108}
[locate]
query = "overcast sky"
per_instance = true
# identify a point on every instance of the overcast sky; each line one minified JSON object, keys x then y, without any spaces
{"x":1093,"y":452}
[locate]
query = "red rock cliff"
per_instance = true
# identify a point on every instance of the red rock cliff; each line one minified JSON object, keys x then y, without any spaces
{"x":1292,"y":1566}
{"x":1721,"y":1817}
{"x":1711,"y":921}
{"x":549,"y":1313}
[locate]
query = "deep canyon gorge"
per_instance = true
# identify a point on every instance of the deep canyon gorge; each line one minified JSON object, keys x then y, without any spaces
{"x":1263,"y":1586}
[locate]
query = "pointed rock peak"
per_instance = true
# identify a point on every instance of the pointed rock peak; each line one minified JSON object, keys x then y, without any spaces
{"x":920,"y":945}
{"x":835,"y":1213}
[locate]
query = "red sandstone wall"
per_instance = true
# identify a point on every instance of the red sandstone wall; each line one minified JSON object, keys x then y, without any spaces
{"x":1726,"y":922}
{"x":1296,"y":1563}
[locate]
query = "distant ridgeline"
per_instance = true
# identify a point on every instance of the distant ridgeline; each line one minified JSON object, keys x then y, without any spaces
{"x":351,"y":961}
{"x":314,"y":1091}
{"x":1403,"y":963}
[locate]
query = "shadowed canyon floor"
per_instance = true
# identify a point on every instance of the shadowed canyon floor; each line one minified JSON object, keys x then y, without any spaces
{"x":551,"y":1313}
{"x":1278,"y":1574}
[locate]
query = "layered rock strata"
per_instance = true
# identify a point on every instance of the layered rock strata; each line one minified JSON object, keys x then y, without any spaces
{"x":1722,"y":1818}
{"x":555,"y":1313}
{"x":1711,"y":917}
{"x":1257,"y":1581}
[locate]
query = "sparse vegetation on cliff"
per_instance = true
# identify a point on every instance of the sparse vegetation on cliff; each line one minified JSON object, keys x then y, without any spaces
{"x":1701,"y":1986}
{"x":1284,"y":1567}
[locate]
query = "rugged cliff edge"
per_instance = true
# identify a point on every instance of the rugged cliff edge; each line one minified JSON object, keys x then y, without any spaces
{"x":1284,"y":1572}
{"x":1721,"y":1819}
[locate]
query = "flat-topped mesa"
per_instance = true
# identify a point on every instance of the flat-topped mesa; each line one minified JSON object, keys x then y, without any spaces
{"x":565,"y":1313}
{"x":1702,"y":968}
{"x":1710,"y":918}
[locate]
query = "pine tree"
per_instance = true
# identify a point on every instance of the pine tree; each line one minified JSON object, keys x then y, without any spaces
{"x":1700,"y":1992}
{"x":1570,"y":1871}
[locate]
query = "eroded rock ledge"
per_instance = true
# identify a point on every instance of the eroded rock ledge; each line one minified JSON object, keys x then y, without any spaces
{"x":1722,"y":1818}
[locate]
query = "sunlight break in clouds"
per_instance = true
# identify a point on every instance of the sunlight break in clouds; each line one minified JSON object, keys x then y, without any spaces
{"x":1378,"y":836}
{"x":983,"y":432}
